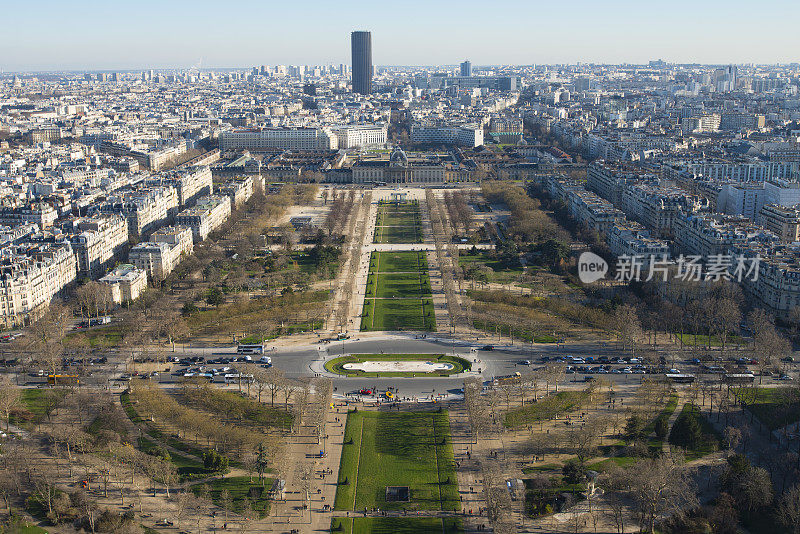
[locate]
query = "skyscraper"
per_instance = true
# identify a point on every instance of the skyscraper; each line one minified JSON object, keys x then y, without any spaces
{"x":361,"y":47}
{"x":466,"y":68}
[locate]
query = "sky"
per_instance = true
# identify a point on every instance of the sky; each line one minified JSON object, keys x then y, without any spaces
{"x":111,"y":34}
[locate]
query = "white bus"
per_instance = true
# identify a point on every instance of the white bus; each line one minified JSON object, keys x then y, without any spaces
{"x":250,"y":349}
{"x":233,"y":378}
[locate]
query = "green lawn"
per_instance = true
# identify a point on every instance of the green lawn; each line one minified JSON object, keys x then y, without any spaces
{"x":401,"y":284}
{"x":774,"y":407}
{"x":541,"y":468}
{"x":35,"y":405}
{"x":397,"y":525}
{"x":398,"y":314}
{"x":512,"y":330}
{"x":502,"y":272}
{"x":100,"y":336}
{"x":605,"y":465}
{"x":546,"y":408}
{"x":398,"y":218}
{"x":702,"y":340}
{"x":158,"y":435}
{"x":241,"y":490}
{"x":398,"y":235}
{"x":398,"y":223}
{"x":336,"y":365}
{"x":398,"y":262}
{"x":188,"y":468}
{"x":406,"y":285}
{"x":411,"y":449}
{"x":655,"y":442}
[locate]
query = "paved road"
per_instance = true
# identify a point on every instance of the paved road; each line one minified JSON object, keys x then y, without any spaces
{"x":307,"y":360}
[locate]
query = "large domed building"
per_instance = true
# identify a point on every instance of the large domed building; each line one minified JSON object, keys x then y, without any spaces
{"x":399,"y":169}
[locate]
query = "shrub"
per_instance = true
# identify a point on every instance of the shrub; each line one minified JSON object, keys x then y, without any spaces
{"x":662,"y":427}
{"x":686,"y":432}
{"x":214,"y":461}
{"x":634,"y":427}
{"x":573,"y":472}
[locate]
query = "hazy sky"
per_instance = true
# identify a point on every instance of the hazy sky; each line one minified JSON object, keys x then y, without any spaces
{"x":110,"y":34}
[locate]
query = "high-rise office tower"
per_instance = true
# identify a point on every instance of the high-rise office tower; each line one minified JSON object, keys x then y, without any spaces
{"x":361,"y":47}
{"x":466,"y":68}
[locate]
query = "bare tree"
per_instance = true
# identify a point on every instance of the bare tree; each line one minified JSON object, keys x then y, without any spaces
{"x":9,"y":399}
{"x":788,"y":511}
{"x":667,"y":488}
{"x":47,"y":335}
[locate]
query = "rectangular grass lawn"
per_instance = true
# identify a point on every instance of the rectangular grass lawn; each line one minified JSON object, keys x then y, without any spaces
{"x":410,"y":449}
{"x":398,"y":291}
{"x":398,"y":234}
{"x":397,"y":525}
{"x":399,"y":314}
{"x":400,"y":262}
{"x":398,"y":218}
{"x":406,"y":285}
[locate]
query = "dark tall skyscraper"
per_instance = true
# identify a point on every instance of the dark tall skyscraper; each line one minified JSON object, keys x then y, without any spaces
{"x":466,"y":69}
{"x":361,"y":45}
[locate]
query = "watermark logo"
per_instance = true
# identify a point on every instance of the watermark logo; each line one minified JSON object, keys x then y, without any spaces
{"x":591,"y":267}
{"x":644,"y":268}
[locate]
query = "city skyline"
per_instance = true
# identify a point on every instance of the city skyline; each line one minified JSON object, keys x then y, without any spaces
{"x":95,"y":36}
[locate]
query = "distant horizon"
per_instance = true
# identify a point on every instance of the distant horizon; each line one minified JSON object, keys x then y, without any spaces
{"x":92,"y":35}
{"x":441,"y":65}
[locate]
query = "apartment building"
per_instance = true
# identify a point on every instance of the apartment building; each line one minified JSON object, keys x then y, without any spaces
{"x":782,"y":221}
{"x":190,"y":183}
{"x":180,"y":236}
{"x":657,"y":207}
{"x":41,"y":214}
{"x":470,"y":135}
{"x":633,"y":239}
{"x":145,"y":209}
{"x":10,"y":235}
{"x":126,"y":283}
{"x":206,"y":216}
{"x":782,"y":192}
{"x":745,"y":199}
{"x":43,"y":135}
{"x":31,"y":274}
{"x":279,"y":138}
{"x":776,"y":284}
{"x":592,"y":211}
{"x":163,"y":252}
{"x":361,"y":135}
{"x":610,"y":180}
{"x":86,"y":176}
{"x":97,"y":242}
{"x":238,"y":189}
{"x":744,"y":170}
{"x":705,"y":236}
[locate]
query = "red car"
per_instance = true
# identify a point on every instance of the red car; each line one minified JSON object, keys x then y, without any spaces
{"x":365,"y":392}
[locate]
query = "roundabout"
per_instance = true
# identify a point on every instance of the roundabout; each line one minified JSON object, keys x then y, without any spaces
{"x":397,"y":365}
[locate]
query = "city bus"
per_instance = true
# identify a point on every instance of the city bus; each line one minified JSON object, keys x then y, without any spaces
{"x":680,"y":378}
{"x":63,"y":380}
{"x":740,"y":378}
{"x":250,"y":349}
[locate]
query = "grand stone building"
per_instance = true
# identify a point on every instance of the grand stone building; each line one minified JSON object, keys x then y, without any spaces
{"x":398,"y":169}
